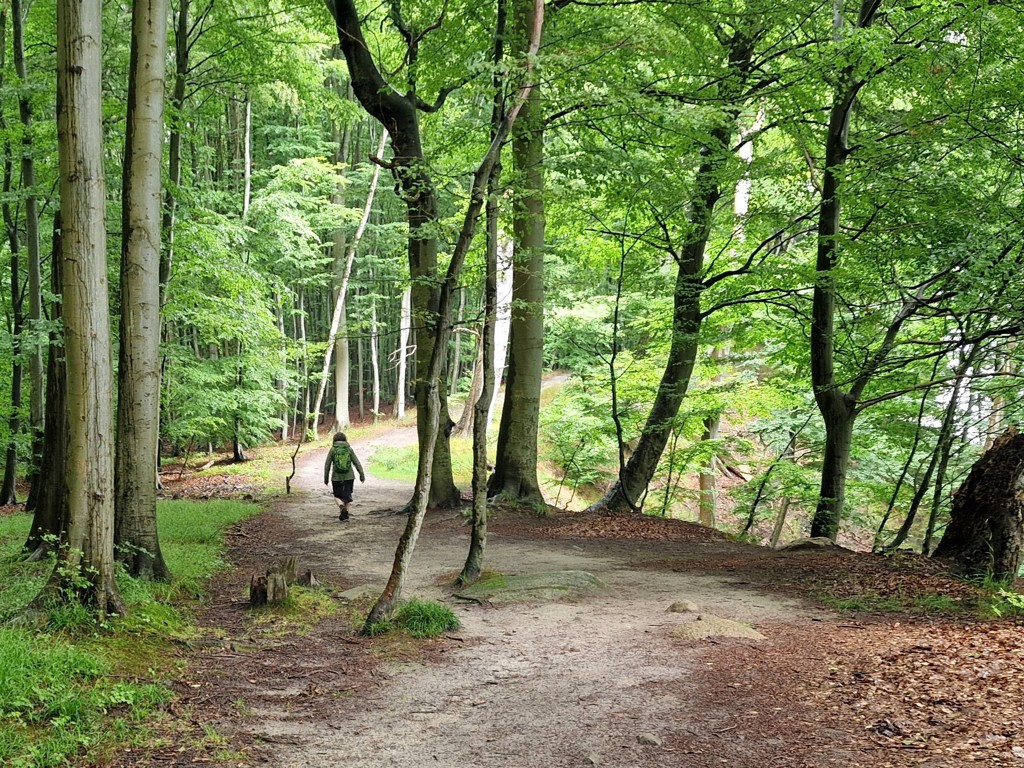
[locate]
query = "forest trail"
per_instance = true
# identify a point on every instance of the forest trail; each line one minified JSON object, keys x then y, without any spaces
{"x":528,"y":684}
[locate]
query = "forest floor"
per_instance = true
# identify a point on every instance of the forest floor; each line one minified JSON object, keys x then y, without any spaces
{"x":615,"y":679}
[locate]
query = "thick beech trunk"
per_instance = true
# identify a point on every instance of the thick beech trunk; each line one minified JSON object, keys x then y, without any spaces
{"x":985,"y":535}
{"x":138,"y":388}
{"x":87,"y":554}
{"x":515,"y":466}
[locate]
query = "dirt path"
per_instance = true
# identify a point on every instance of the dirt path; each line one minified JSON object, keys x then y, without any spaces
{"x":551,"y":684}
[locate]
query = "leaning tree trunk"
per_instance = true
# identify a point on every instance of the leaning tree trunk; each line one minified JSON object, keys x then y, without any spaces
{"x":985,"y":535}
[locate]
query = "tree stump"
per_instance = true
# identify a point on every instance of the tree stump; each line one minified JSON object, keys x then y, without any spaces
{"x":289,"y":566}
{"x":257,"y":590}
{"x":268,"y":589}
{"x":985,"y":536}
{"x":277,"y":586}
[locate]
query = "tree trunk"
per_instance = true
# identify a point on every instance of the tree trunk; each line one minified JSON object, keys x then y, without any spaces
{"x":7,"y":489}
{"x":708,"y":475}
{"x":34,"y":350}
{"x":442,"y":333}
{"x":403,"y":356}
{"x":138,"y":388}
{"x":985,"y":535}
{"x":87,"y":554}
{"x":478,"y":538}
{"x":341,"y":297}
{"x":839,"y":416}
{"x":50,"y":515}
{"x":515,"y":466}
{"x":374,"y":358}
{"x":837,"y":407}
{"x":181,"y":69}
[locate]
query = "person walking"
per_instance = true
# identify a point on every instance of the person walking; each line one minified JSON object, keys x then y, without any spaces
{"x":343,"y":463}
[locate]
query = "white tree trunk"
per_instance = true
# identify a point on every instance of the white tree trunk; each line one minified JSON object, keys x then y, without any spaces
{"x":90,"y":459}
{"x":403,"y":351}
{"x":503,"y":319}
{"x":339,"y":304}
{"x":375,"y":358}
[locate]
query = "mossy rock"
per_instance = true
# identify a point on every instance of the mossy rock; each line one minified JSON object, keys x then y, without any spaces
{"x":529,"y":587}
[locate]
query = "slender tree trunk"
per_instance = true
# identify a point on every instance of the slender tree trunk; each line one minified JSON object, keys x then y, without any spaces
{"x":87,"y":555}
{"x":502,"y":320}
{"x":403,"y":355}
{"x":468,"y":416}
{"x":707,"y":479}
{"x":34,"y":350}
{"x":8,"y":494}
{"x":478,"y":539}
{"x":50,"y":515}
{"x":638,"y":472}
{"x":181,"y":69}
{"x":838,"y":408}
{"x":339,"y":304}
{"x":138,"y":388}
{"x":375,"y":357}
{"x":342,"y":372}
{"x":455,"y":371}
{"x":439,"y":348}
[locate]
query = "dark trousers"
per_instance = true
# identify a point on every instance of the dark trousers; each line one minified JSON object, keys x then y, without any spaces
{"x":343,"y":489}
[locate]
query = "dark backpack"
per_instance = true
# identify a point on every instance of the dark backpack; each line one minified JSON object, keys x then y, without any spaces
{"x":342,"y":458}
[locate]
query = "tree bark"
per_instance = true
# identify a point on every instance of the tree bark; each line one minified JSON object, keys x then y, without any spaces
{"x":985,"y":535}
{"x":478,"y":538}
{"x":515,"y":467}
{"x":33,"y":351}
{"x":87,"y":554}
{"x":7,"y":489}
{"x":138,"y":388}
{"x":636,"y":475}
{"x":50,"y":514}
{"x":442,"y":333}
{"x":403,"y":355}
{"x":838,"y":408}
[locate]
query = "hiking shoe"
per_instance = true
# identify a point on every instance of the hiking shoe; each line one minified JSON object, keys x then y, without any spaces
{"x":343,"y":516}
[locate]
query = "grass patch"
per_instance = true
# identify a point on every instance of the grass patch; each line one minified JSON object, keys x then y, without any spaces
{"x":417,"y":618}
{"x":73,"y":687}
{"x":426,"y":618}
